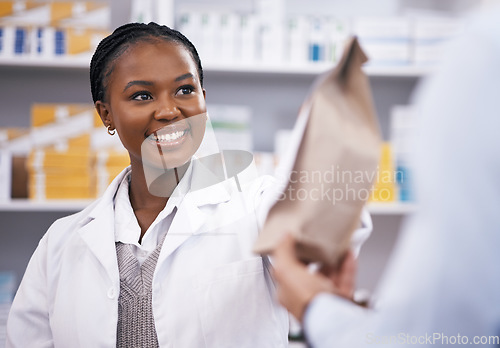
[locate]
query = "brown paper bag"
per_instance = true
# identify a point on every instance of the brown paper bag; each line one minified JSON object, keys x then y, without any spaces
{"x":334,"y":165}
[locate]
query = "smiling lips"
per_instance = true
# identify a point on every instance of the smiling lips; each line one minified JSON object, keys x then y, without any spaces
{"x":168,"y":138}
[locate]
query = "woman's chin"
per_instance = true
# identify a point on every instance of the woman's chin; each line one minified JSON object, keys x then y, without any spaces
{"x":156,"y":158}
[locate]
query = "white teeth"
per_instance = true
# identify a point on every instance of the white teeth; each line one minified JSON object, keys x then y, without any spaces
{"x":168,"y":137}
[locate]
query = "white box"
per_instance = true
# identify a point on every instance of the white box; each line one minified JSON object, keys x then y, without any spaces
{"x":383,"y":28}
{"x":5,"y":175}
{"x":403,"y":141}
{"x":231,"y":125}
{"x":428,"y":29}
{"x":387,"y":53}
{"x":42,"y":42}
{"x":208,"y":45}
{"x":227,"y":34}
{"x":386,"y":40}
{"x":272,"y":45}
{"x":246,"y":39}
{"x":431,"y":35}
{"x":297,"y":40}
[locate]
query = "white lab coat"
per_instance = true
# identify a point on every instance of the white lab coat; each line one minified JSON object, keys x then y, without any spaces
{"x":209,"y":289}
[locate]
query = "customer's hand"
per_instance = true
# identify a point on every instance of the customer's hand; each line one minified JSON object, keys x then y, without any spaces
{"x":297,"y":286}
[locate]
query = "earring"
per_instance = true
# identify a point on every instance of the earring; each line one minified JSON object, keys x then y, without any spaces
{"x":111,"y":131}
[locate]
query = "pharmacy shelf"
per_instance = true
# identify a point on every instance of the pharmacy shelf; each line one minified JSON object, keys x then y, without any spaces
{"x":317,"y":68}
{"x":398,"y":71}
{"x":392,"y":208}
{"x":57,"y":62}
{"x":77,"y":205}
{"x":244,"y":68}
{"x":43,"y":206}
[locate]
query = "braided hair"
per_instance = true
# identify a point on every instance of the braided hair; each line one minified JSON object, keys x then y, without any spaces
{"x":114,"y":45}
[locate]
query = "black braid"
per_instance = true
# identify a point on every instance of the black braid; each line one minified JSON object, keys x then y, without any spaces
{"x":112,"y":46}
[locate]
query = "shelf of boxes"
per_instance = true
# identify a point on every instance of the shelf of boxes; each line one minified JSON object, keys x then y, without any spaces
{"x":318,"y":68}
{"x":64,"y":62}
{"x":43,"y":206}
{"x":231,"y":125}
{"x":285,"y":69}
{"x":394,"y":208}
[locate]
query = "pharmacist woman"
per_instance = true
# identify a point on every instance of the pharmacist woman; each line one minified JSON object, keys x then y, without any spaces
{"x":164,"y":257}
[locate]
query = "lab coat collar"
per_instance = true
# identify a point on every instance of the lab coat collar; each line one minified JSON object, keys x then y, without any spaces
{"x":190,"y":218}
{"x":97,"y":229}
{"x":200,"y":194}
{"x":214,"y":194}
{"x":188,"y":221}
{"x":99,"y":236}
{"x":97,"y":226}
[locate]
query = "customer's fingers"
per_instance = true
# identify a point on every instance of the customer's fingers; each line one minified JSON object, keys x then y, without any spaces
{"x":345,"y":282}
{"x":284,"y":253}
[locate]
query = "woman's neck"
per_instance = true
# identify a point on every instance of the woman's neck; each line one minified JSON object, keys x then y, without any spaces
{"x":149,"y":193}
{"x":141,"y":196}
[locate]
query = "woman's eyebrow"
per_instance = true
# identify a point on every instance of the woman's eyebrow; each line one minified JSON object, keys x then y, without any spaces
{"x":137,"y":82}
{"x":183,"y":77}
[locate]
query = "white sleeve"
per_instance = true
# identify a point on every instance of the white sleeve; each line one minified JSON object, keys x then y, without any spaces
{"x":28,"y":322}
{"x":361,"y":234}
{"x":265,"y":196}
{"x":331,"y":321}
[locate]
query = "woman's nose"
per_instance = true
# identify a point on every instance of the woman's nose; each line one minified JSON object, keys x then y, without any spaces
{"x":167,"y":110}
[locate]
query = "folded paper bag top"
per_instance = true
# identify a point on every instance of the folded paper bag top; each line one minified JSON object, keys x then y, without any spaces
{"x":331,"y":169}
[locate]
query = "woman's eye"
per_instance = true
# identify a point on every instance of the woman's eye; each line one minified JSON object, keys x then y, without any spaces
{"x":142,"y":96}
{"x":185,"y":90}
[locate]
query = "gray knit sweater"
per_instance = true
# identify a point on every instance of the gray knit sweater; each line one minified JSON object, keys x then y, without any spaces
{"x":136,"y":326}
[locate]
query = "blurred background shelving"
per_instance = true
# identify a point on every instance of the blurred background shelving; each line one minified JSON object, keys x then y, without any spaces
{"x":82,"y":64}
{"x":26,"y":205}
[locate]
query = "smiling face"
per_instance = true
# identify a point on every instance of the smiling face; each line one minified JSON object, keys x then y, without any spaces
{"x":155,"y":101}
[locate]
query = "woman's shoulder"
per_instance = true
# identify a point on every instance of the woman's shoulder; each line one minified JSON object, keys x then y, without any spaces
{"x":261,"y":190}
{"x":259,"y":184}
{"x":69,"y":223}
{"x":66,"y":225}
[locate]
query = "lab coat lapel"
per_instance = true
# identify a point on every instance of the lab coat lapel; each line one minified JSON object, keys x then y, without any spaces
{"x":98,"y":226}
{"x":191,"y":218}
{"x":98,"y":234}
{"x":188,"y":219}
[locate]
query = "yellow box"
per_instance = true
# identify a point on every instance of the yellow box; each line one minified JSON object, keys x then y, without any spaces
{"x":7,"y":134}
{"x":43,"y":114}
{"x":6,"y":8}
{"x":97,"y":120}
{"x":67,"y":171}
{"x":60,"y":180}
{"x":42,"y":193}
{"x":384,"y":189}
{"x":113,"y":172}
{"x":118,"y":159}
{"x":92,"y":6}
{"x":77,"y":143}
{"x":51,"y":159}
{"x":78,"y":40}
{"x":60,"y":10}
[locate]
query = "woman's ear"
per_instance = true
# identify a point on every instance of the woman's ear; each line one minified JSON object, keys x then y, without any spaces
{"x":103,"y":112}
{"x":204,"y":93}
